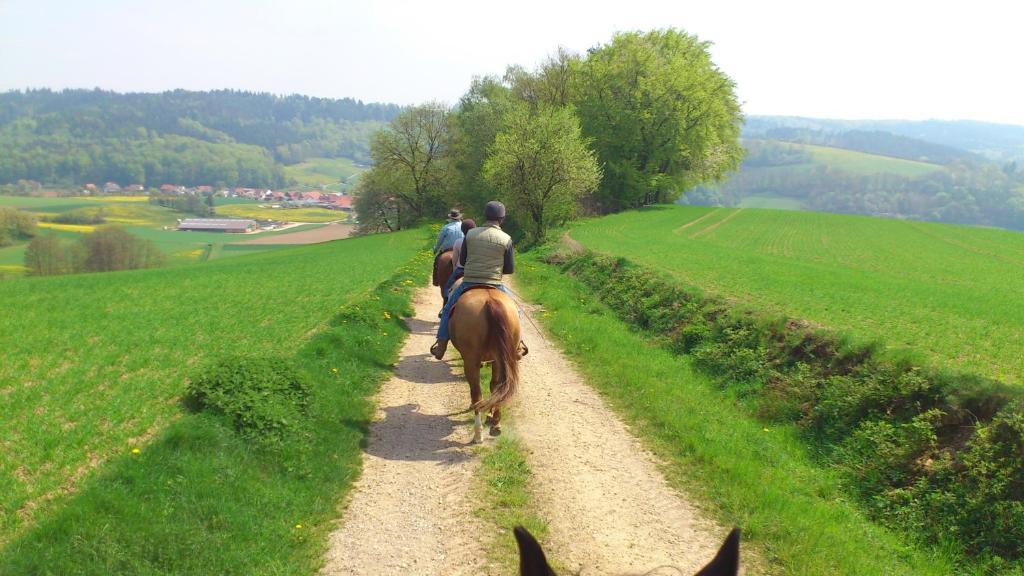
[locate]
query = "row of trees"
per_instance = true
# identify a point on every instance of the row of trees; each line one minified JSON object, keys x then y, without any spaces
{"x":638,"y":120}
{"x":150,"y":160}
{"x":107,"y":249}
{"x":180,"y":137}
{"x":201,"y":205}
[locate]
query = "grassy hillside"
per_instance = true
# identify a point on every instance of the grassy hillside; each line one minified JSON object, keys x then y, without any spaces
{"x":864,"y":163}
{"x":333,"y":173}
{"x":94,"y":364}
{"x":946,"y":292}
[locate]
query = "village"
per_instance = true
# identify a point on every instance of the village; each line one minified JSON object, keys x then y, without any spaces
{"x":282,"y":200}
{"x":290,"y":199}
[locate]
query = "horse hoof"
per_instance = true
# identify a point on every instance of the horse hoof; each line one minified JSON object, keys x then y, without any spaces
{"x":489,"y":420}
{"x":495,"y":430}
{"x":477,"y":437}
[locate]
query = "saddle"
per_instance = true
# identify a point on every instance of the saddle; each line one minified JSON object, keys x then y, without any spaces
{"x":471,"y":288}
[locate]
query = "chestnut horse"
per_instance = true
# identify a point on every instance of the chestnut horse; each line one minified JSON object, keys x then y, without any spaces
{"x":532,"y":561}
{"x":443,"y":271}
{"x":484,"y":327}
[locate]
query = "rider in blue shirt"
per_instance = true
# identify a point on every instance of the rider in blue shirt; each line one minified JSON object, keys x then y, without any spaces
{"x":450,"y":232}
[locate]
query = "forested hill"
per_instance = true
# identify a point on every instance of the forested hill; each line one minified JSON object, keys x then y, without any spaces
{"x":999,"y":142}
{"x":220,"y":137}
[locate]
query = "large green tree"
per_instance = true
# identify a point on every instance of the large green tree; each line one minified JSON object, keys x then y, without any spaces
{"x":414,"y":146}
{"x":474,"y":124}
{"x":661,"y":115}
{"x":541,"y":166}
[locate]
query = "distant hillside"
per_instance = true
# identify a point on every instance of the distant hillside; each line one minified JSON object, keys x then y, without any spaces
{"x":190,"y":138}
{"x":1000,"y":142}
{"x":789,"y":175}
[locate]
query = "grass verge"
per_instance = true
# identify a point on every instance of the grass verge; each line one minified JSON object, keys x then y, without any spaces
{"x":760,"y":478}
{"x":503,"y":481}
{"x":201,"y":498}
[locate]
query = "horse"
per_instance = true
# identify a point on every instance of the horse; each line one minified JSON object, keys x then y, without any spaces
{"x":484,"y":327}
{"x":442,"y":271}
{"x":532,"y":561}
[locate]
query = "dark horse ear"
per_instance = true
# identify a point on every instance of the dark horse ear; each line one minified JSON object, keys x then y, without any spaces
{"x":531,"y":557}
{"x":727,"y":561}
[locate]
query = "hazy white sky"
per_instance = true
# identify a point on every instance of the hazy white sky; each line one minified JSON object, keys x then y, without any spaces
{"x":851,"y":59}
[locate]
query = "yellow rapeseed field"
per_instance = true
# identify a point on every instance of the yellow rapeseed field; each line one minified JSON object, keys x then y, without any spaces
{"x":80,"y":228}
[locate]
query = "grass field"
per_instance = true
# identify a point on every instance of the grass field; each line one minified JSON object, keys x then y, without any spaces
{"x":323,"y":171}
{"x":94,"y":364}
{"x":148,"y":221}
{"x":762,"y":478}
{"x":946,"y":292}
{"x":854,"y":162}
{"x":864,"y":163}
{"x":287,"y":214}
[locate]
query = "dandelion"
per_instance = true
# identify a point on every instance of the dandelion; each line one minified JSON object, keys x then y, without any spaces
{"x":297,"y":526}
{"x":765,"y":429}
{"x":335,"y":370}
{"x":386,"y":315}
{"x":136,"y":450}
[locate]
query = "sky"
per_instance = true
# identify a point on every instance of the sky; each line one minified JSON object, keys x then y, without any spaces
{"x":864,"y":59}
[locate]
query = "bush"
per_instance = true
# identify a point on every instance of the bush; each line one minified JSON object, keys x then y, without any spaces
{"x":266,"y":399}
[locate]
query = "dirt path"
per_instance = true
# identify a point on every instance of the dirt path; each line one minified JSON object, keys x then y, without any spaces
{"x":410,"y":512}
{"x":609,"y":509}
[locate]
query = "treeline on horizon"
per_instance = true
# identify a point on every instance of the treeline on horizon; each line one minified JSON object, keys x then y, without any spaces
{"x":967,"y":190}
{"x":222,"y":137}
{"x":637,"y":120}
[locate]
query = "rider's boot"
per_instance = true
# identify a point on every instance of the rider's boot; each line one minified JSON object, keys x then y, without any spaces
{"x":439,"y":348}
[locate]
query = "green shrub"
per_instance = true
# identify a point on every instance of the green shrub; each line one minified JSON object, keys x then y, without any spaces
{"x":266,"y":399}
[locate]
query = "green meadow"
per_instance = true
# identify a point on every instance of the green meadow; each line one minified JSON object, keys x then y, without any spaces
{"x":327,"y":172}
{"x":863,"y":163}
{"x":95,"y":364}
{"x":944,"y":292}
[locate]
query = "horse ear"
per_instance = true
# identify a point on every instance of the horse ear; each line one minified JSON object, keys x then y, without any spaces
{"x":531,"y":556}
{"x":727,"y":561}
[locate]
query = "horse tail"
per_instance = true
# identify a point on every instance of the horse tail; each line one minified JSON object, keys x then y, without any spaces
{"x":506,"y":356}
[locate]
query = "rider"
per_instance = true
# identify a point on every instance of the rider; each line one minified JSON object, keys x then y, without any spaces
{"x":450,"y":232}
{"x":457,"y":268}
{"x":486,"y":254}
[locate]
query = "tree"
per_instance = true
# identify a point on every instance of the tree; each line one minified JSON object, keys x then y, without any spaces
{"x":15,"y":225}
{"x":47,"y":256}
{"x":415,"y":146}
{"x":378,"y":208}
{"x":113,"y":248}
{"x":542,"y":166}
{"x":474,"y":124}
{"x":662,"y":116}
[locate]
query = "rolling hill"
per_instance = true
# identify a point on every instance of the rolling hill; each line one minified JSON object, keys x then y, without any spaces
{"x":224,"y":137}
